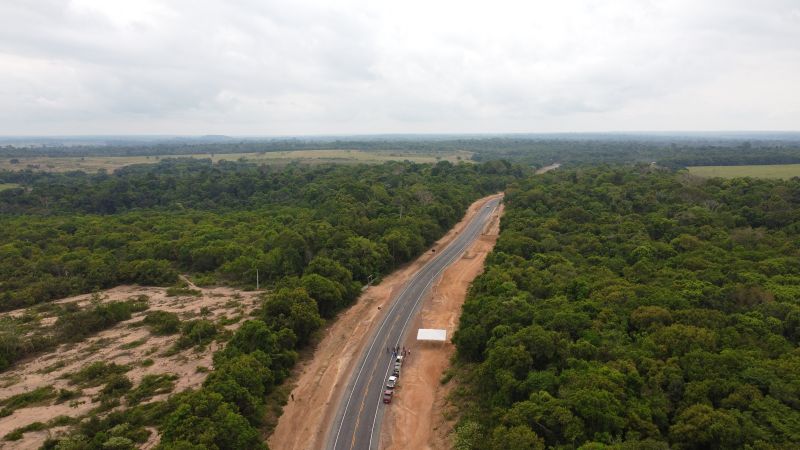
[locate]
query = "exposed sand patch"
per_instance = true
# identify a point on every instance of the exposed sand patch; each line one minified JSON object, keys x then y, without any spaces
{"x":124,"y":345}
{"x":546,"y":169}
{"x":418,"y":416}
{"x":318,"y":381}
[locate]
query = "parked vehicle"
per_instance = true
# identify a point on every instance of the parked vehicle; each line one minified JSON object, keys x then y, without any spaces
{"x":387,"y":396}
{"x":392,"y":382}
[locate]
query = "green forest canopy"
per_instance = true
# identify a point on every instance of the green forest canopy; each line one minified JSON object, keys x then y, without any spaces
{"x":636,"y":308}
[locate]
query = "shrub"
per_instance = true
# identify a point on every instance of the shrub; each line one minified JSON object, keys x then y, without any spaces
{"x":17,"y":433}
{"x":150,"y":386}
{"x":15,"y":402}
{"x":97,"y":373}
{"x":66,"y":394}
{"x":116,"y":385}
{"x":196,"y":333}
{"x":162,"y":322}
{"x":177,"y":291}
{"x":74,"y":326}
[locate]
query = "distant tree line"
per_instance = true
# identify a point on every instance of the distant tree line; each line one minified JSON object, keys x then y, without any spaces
{"x":590,"y":149}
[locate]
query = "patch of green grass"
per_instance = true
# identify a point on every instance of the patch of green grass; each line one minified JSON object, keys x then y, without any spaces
{"x":95,"y":374}
{"x":225,"y":320}
{"x":53,"y":367}
{"x":36,"y":396}
{"x":784,"y":171}
{"x":96,"y":346}
{"x":6,"y":186}
{"x":133,"y":344}
{"x":38,"y":426}
{"x":17,"y":433}
{"x":176,"y":291}
{"x":151,"y":385}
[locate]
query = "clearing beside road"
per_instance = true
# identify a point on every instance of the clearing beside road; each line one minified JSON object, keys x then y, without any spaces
{"x":784,"y":171}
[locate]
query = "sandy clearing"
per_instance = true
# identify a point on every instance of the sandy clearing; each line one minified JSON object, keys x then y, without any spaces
{"x":318,"y":381}
{"x":47,"y":369}
{"x":546,"y":169}
{"x":417,"y":417}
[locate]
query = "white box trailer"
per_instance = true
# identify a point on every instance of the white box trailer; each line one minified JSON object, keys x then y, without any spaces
{"x":431,"y":334}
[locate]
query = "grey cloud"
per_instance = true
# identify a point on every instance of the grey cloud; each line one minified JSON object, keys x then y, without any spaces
{"x":276,"y":67}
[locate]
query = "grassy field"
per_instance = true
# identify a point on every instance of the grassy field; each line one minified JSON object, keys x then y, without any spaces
{"x":765,"y":171}
{"x":4,"y":186}
{"x":109,"y":163}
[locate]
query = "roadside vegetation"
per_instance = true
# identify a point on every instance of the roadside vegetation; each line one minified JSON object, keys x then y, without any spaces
{"x":636,"y":308}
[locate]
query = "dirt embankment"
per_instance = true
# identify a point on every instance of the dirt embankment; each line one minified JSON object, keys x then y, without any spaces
{"x":318,"y":381}
{"x":124,"y":344}
{"x":417,"y":418}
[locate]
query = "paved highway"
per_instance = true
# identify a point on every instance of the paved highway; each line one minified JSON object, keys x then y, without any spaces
{"x":358,"y":418}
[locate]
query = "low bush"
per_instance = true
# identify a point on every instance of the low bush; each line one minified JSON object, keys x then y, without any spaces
{"x":177,"y":291}
{"x":35,"y":396}
{"x":162,"y":322}
{"x":196,"y":333}
{"x":17,"y":433}
{"x":97,"y":373}
{"x":66,"y":394}
{"x":73,"y":326}
{"x":151,"y":385}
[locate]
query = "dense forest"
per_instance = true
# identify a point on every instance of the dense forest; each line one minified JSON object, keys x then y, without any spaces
{"x":63,"y":234}
{"x":315,"y":235}
{"x":636,"y":308}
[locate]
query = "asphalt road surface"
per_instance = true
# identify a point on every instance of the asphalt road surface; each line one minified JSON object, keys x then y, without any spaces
{"x":358,"y":418}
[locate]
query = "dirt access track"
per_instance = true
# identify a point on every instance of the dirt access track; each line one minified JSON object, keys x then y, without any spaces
{"x":318,"y":381}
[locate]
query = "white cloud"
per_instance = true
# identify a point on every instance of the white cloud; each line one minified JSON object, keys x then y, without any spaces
{"x":308,"y":67}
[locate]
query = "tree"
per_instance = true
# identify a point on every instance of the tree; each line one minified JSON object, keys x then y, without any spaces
{"x":204,"y":418}
{"x":516,"y":438}
{"x":327,"y":294}
{"x":295,"y":310}
{"x":701,"y":426}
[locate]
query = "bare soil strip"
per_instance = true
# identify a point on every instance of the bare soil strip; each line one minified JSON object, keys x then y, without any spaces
{"x":318,"y":381}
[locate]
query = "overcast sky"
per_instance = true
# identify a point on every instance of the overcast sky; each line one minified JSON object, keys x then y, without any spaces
{"x":266,"y":67}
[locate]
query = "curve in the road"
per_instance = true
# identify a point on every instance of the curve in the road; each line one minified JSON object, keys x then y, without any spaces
{"x":358,"y":418}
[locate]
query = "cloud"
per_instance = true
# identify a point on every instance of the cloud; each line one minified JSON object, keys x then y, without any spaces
{"x":308,"y":67}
